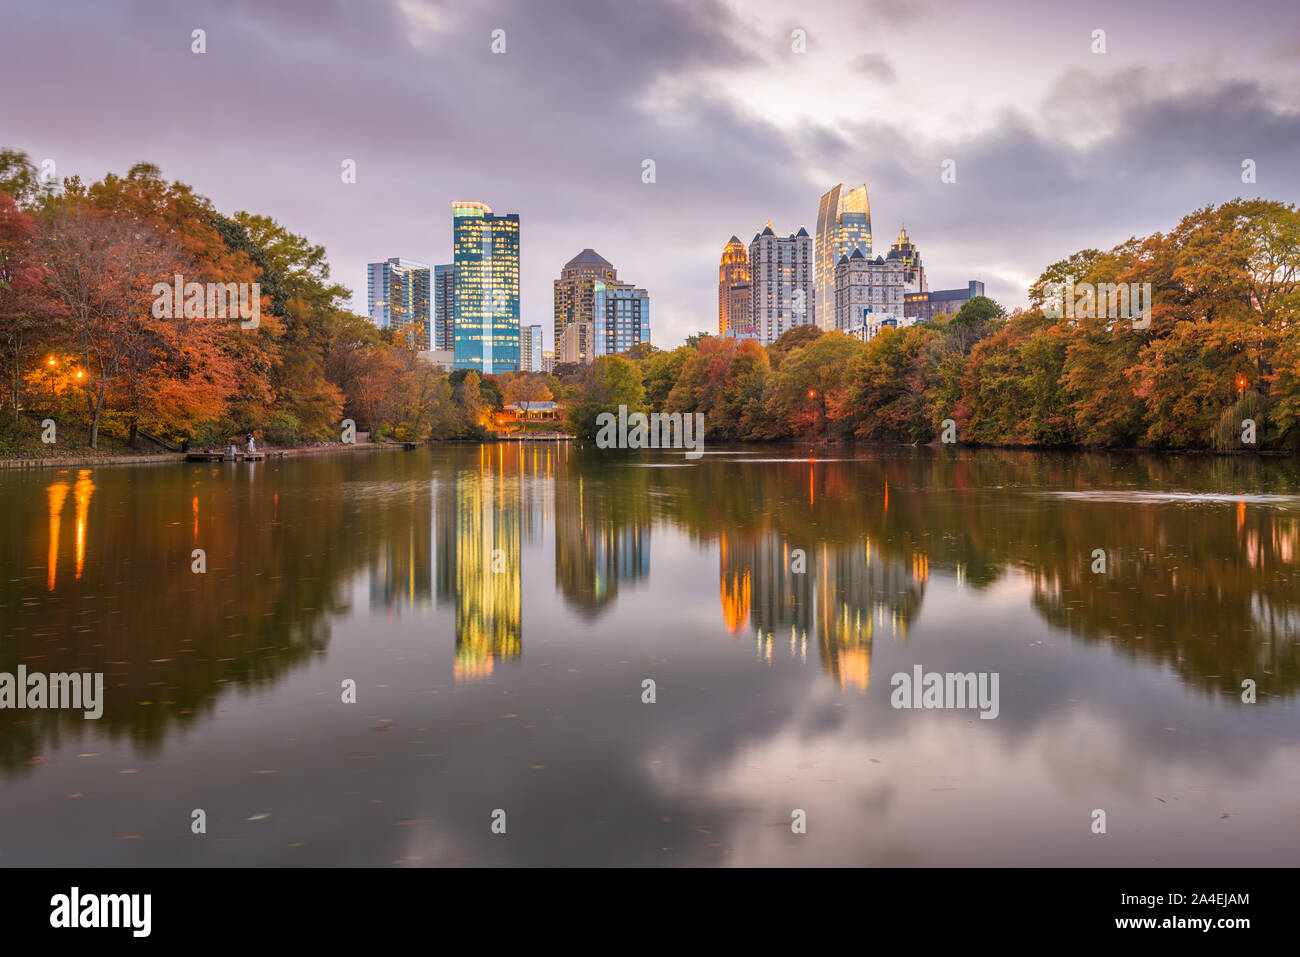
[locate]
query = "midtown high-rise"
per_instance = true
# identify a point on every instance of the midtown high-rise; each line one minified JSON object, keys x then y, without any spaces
{"x":735,"y":296}
{"x":843,"y":225}
{"x":913,"y":271}
{"x":486,"y":260}
{"x":620,"y":318}
{"x":575,"y":289}
{"x":595,"y":314}
{"x":781,"y":279}
{"x":397,"y":293}
{"x":530,"y":348}
{"x":444,"y":307}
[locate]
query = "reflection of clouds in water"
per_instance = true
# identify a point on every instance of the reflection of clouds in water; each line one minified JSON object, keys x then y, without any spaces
{"x":937,"y":794}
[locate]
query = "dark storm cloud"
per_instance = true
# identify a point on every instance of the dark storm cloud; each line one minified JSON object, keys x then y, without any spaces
{"x":1108,"y":158}
{"x":558,"y":127}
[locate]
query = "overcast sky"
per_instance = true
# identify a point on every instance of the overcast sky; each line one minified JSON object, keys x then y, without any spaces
{"x":1057,"y":148}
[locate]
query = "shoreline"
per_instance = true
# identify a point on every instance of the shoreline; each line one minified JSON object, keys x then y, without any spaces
{"x":164,"y":458}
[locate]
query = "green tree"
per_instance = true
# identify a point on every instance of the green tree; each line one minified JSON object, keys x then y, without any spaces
{"x":610,"y":381}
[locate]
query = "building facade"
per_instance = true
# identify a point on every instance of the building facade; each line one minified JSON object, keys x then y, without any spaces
{"x":869,"y":294}
{"x":441,"y":359}
{"x":575,"y":344}
{"x":548,"y":361}
{"x":444,"y":306}
{"x":843,"y":225}
{"x":397,"y":294}
{"x":530,"y":348}
{"x":735,"y":293}
{"x":781,"y":280}
{"x":486,"y":283}
{"x":575,"y":289}
{"x":620,"y":318}
{"x":920,"y":306}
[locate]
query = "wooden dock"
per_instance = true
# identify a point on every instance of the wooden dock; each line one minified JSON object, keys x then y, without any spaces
{"x":227,"y":456}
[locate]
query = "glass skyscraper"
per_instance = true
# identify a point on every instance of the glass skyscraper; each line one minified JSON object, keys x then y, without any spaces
{"x":398,"y":297}
{"x":843,"y":225}
{"x":620,"y":318}
{"x":486,"y":259}
{"x":444,"y":307}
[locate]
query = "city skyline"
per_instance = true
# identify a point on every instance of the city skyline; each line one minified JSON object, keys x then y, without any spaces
{"x":739,"y":126}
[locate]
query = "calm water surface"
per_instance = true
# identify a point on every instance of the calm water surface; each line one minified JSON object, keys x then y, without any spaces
{"x":500,"y":607}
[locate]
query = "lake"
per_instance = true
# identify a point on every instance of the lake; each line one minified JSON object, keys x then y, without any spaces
{"x":500,"y":610}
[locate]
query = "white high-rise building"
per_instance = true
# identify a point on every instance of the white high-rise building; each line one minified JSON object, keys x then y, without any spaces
{"x":781,"y":277}
{"x":869,"y":294}
{"x":530,"y":348}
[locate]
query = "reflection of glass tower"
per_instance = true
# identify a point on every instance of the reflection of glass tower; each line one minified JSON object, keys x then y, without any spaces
{"x":843,"y":225}
{"x":479,"y":558}
{"x":593,"y":553}
{"x":402,"y":572}
{"x":845,"y":595}
{"x":486,"y":279}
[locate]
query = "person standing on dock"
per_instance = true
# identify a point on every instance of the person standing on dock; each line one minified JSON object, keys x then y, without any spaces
{"x":251,"y":446}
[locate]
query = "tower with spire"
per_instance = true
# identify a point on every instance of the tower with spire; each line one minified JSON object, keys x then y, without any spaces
{"x":734,"y":303}
{"x":913,"y":271}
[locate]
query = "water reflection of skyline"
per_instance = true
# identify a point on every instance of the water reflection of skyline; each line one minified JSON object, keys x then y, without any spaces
{"x":845,"y":595}
{"x":464,"y":546}
{"x":434,"y":539}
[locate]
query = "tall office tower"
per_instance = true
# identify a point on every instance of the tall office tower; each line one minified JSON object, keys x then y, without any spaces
{"x":575,"y":289}
{"x":530,"y":348}
{"x":843,"y":225}
{"x":397,"y":291}
{"x":486,"y":254}
{"x":620,"y":318}
{"x":548,"y":361}
{"x":735,"y":300}
{"x":868,"y":294}
{"x":444,"y":307}
{"x":913,"y":271}
{"x":781,"y":277}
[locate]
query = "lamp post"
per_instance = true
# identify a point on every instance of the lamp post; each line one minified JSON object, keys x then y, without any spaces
{"x":50,"y":362}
